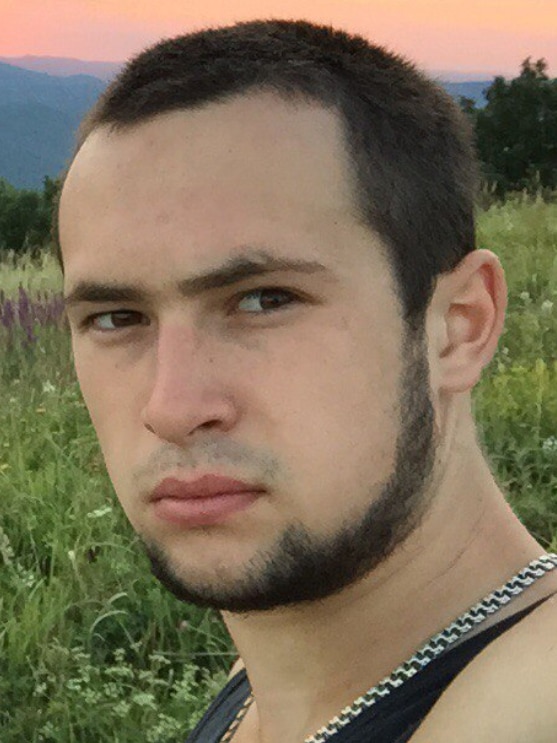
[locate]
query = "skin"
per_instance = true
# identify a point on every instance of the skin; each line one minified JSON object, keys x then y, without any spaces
{"x":478,"y":707}
{"x":308,"y":395}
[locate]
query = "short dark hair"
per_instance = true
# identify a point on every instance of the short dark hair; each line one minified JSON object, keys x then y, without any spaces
{"x":410,"y":146}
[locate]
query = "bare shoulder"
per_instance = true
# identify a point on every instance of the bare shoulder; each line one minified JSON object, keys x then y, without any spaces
{"x":507,"y":693}
{"x":236,"y":666}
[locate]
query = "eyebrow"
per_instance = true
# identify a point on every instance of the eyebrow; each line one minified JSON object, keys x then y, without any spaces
{"x":233,"y":271}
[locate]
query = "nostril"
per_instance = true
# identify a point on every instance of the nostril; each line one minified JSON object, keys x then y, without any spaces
{"x":211,"y":424}
{"x":149,"y":428}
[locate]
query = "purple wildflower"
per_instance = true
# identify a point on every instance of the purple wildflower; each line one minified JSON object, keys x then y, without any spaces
{"x":24,"y":316}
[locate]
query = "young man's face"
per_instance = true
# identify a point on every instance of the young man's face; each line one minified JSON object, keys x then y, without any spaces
{"x":318,"y":402}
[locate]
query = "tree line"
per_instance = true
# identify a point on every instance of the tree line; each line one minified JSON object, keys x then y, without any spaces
{"x":26,"y":216}
{"x":516,"y":132}
{"x":516,"y":140}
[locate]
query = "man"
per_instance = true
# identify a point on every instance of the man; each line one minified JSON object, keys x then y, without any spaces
{"x":278,"y":316}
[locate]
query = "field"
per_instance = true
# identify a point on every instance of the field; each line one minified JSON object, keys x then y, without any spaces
{"x":91,"y":648}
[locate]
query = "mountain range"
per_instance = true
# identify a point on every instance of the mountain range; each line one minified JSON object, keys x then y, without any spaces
{"x":43,"y":99}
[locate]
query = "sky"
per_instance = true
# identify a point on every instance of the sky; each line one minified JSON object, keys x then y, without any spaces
{"x":489,"y":36}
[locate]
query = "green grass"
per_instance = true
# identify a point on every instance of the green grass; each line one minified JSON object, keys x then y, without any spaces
{"x":516,"y":400}
{"x":91,"y":647}
{"x":38,"y":275}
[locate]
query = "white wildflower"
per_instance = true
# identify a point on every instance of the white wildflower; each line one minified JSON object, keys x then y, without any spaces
{"x":547,"y":307}
{"x":48,"y":388}
{"x":99,"y":512}
{"x":6,"y":551}
{"x":144,"y":699}
{"x":550,"y":444}
{"x":26,"y":577}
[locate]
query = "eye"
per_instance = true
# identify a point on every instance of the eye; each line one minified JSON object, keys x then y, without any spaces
{"x":116,"y":320}
{"x":271,"y":299}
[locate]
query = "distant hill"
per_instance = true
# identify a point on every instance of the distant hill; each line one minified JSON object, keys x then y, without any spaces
{"x":65,"y":66}
{"x":473,"y":90}
{"x":40,"y":112}
{"x":39,"y":115}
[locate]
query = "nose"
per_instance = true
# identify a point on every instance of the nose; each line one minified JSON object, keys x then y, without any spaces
{"x":188,"y":390}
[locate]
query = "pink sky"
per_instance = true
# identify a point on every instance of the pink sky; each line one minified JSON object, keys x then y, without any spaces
{"x":491,"y":36}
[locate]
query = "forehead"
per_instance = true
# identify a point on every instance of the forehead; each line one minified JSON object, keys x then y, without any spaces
{"x":280,"y":143}
{"x":244,"y":172}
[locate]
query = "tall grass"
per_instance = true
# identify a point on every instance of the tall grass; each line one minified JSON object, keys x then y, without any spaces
{"x":40,"y":273}
{"x":516,"y":400}
{"x":91,"y":647}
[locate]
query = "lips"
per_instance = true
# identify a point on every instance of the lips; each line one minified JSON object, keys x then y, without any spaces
{"x":204,"y":487}
{"x":208,"y":500}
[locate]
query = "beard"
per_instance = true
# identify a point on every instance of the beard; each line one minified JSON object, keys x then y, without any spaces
{"x":302,"y":567}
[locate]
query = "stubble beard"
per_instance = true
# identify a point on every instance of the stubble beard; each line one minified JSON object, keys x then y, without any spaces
{"x":302,"y":567}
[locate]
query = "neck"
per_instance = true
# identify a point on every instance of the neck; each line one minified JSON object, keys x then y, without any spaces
{"x":313,"y":660}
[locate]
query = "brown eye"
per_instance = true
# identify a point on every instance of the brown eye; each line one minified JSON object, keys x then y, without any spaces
{"x":270,"y":299}
{"x":107,"y":321}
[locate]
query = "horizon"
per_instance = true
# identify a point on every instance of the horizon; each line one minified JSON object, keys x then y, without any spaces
{"x":456,"y":76}
{"x":439,"y":36}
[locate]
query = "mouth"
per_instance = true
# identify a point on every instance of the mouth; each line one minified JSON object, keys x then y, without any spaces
{"x":205,"y":501}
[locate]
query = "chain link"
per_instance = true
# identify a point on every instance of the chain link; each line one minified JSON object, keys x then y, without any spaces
{"x":427,"y":653}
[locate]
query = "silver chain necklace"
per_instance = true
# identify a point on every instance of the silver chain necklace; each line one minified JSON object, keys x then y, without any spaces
{"x":427,"y":653}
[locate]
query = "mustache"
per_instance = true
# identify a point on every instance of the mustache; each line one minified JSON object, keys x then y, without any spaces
{"x":225,"y":454}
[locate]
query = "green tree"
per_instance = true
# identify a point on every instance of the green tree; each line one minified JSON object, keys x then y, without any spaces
{"x":517,"y":130}
{"x":49,"y":199}
{"x":26,"y":216}
{"x":20,"y":218}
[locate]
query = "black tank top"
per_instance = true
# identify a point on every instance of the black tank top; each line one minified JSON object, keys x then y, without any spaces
{"x":390,"y":720}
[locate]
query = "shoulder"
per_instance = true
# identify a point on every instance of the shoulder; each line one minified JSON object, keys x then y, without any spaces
{"x":508,"y":692}
{"x":236,"y":667}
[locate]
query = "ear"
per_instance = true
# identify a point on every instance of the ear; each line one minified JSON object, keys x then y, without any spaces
{"x":465,"y":320}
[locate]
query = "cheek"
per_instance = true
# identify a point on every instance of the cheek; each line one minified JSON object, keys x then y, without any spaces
{"x":110,"y":401}
{"x":95,"y":388}
{"x":335,"y":422}
{"x":352,"y":378}
{"x":353,"y":413}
